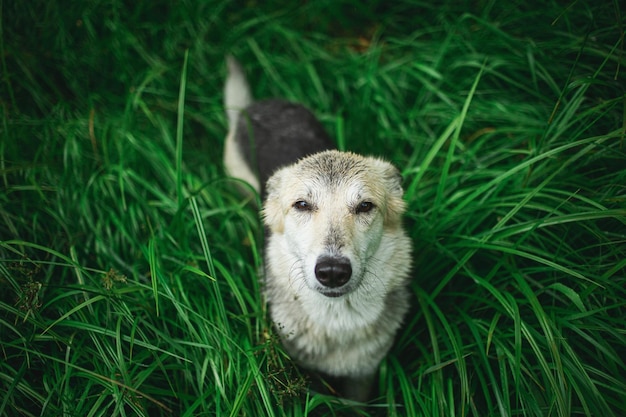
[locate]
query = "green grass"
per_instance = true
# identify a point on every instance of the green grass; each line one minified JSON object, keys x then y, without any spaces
{"x":128,"y":261}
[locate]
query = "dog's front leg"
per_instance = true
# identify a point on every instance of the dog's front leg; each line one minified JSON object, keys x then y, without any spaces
{"x":357,"y":388}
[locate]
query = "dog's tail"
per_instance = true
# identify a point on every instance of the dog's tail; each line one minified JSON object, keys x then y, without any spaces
{"x":237,"y":97}
{"x":237,"y":94}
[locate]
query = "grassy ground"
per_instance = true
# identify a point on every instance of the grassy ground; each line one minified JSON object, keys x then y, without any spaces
{"x":128,"y":262}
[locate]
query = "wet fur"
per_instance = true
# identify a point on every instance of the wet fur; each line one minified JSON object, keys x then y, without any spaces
{"x":325,"y":205}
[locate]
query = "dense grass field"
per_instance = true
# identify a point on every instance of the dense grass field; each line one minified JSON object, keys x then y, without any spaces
{"x":129,"y":263}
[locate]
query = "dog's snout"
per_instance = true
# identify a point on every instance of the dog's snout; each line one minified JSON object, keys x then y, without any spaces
{"x":333,"y":272}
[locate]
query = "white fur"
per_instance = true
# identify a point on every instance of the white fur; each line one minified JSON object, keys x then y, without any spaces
{"x":346,"y":335}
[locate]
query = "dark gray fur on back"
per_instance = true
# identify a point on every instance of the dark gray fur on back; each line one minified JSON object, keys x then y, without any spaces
{"x":273,"y":133}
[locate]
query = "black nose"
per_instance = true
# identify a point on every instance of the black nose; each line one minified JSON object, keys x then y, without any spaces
{"x":333,"y":272}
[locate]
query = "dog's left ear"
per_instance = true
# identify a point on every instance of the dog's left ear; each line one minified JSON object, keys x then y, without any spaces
{"x":272,"y":212}
{"x":394,"y":203}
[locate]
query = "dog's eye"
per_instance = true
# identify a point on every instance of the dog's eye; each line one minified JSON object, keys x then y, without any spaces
{"x":302,"y":205}
{"x":364,"y":207}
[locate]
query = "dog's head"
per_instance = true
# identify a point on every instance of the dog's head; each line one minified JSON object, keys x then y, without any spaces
{"x":335,"y":216}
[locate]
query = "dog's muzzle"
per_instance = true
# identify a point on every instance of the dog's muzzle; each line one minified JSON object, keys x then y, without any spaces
{"x":333,"y":273}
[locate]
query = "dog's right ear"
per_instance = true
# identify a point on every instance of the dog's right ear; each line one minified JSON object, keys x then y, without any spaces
{"x":273,"y":215}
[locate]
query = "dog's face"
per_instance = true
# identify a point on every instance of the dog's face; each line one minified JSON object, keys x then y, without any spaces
{"x":332,"y":212}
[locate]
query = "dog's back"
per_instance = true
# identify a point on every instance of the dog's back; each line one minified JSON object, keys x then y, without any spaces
{"x":267,"y":134}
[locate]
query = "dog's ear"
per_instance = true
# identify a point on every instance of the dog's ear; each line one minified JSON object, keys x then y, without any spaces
{"x":273,"y":216}
{"x":394,"y":203}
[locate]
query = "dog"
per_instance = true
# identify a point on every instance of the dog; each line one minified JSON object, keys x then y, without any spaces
{"x":337,"y":259}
